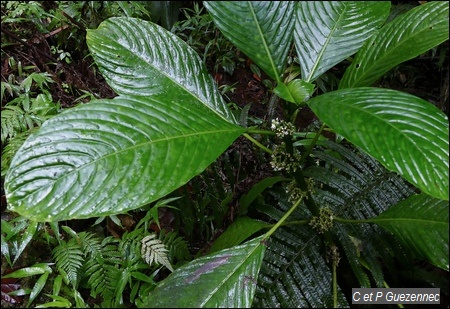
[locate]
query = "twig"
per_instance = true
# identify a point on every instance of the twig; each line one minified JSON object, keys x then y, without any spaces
{"x":56,"y":31}
{"x":14,"y":37}
{"x":78,"y":24}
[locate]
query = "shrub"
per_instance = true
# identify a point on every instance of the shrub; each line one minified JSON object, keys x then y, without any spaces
{"x":346,"y":203}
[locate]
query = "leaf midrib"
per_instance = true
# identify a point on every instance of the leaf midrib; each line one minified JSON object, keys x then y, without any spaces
{"x":383,"y":120}
{"x":78,"y":168}
{"x":174,"y":81}
{"x":266,"y":47}
{"x":410,"y":220}
{"x":325,"y":45}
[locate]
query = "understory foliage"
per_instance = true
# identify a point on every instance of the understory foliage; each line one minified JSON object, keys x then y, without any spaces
{"x":198,"y":202}
{"x":350,"y":184}
{"x":108,"y":266}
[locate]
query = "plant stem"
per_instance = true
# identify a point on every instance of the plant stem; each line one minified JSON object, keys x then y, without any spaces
{"x":311,"y":146}
{"x":351,"y":221}
{"x":273,"y":102}
{"x":387,"y":286}
{"x":335,"y":304}
{"x":364,"y":263}
{"x":258,"y":143}
{"x":296,"y":222}
{"x":303,"y":185}
{"x":300,"y":180}
{"x":280,"y":222}
{"x":259,"y":131}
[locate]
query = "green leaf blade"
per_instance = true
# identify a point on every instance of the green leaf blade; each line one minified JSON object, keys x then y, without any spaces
{"x":296,"y":91}
{"x":139,"y":58}
{"x":421,"y":223}
{"x":168,"y":123}
{"x":406,"y":37}
{"x":261,"y":30}
{"x":241,"y":229}
{"x":255,"y":191}
{"x":328,"y":32}
{"x":226,"y":279}
{"x":405,"y":133}
{"x":111,"y":156}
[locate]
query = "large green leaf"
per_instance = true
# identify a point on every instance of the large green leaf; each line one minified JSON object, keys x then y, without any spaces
{"x":226,"y":279}
{"x":166,"y":12}
{"x":405,"y":133}
{"x":140,"y":58}
{"x":110,"y":156}
{"x":241,"y":229}
{"x":255,"y":191}
{"x":421,"y":223}
{"x":406,"y":37}
{"x":327,"y":32}
{"x":260,"y":29}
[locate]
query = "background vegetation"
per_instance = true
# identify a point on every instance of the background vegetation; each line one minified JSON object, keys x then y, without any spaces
{"x":105,"y":261}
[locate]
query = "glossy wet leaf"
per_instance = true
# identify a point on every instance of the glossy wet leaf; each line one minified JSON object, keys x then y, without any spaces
{"x":255,"y":191}
{"x":37,"y":288}
{"x":111,"y":156}
{"x":226,"y":279}
{"x":260,"y":29}
{"x":421,"y":223}
{"x":327,"y":32}
{"x":405,"y":133}
{"x":140,"y":58}
{"x":406,"y":37}
{"x":58,"y":302}
{"x":296,"y":91}
{"x":36,"y":269}
{"x":238,"y":231}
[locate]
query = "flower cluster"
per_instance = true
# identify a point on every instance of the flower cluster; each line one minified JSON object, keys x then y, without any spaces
{"x":324,"y":221}
{"x":282,"y":160}
{"x":333,"y":255}
{"x":310,"y":183}
{"x":295,"y":193}
{"x":282,"y":128}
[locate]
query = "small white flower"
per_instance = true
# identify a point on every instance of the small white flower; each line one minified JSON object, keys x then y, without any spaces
{"x":282,"y":128}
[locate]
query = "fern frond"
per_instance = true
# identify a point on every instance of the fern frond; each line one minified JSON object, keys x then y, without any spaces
{"x":90,"y":243}
{"x":153,"y":250}
{"x":176,"y":245}
{"x":69,"y":259}
{"x":352,"y":256}
{"x":18,"y":116}
{"x":294,"y":272}
{"x":130,"y":246}
{"x":11,"y":148}
{"x":102,"y":269}
{"x":14,"y":120}
{"x":356,"y":186}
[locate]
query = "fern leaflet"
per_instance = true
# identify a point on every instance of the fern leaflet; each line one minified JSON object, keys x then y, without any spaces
{"x":177,"y":246}
{"x":102,"y":269}
{"x":153,"y":250}
{"x":69,"y":259}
